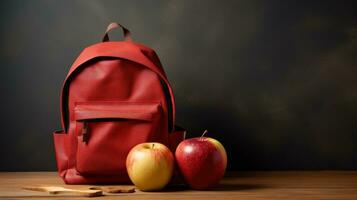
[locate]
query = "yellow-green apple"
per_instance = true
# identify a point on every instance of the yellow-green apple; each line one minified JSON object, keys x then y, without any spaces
{"x":202,"y":161}
{"x":150,"y":166}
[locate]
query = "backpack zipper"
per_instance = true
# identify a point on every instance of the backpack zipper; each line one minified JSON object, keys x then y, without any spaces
{"x":85,"y":134}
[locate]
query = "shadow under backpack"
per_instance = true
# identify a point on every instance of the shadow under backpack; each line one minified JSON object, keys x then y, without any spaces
{"x":115,"y":96}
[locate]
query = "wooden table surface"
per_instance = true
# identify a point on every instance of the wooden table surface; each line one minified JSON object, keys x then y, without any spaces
{"x":236,"y":185}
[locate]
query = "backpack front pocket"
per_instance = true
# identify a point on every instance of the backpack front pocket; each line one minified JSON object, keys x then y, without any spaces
{"x":107,"y":131}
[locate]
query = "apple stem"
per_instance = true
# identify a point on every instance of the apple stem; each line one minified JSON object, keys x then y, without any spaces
{"x":153,"y":145}
{"x":204,"y":133}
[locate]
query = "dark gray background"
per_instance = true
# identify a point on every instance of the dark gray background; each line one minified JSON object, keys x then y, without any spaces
{"x":274,"y":81}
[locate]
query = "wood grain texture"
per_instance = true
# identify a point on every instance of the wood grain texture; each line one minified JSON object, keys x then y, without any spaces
{"x":236,"y":185}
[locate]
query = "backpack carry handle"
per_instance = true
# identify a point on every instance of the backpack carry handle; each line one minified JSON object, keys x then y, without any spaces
{"x":114,"y":25}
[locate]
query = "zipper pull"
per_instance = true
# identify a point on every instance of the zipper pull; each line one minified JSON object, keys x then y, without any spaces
{"x":85,"y":135}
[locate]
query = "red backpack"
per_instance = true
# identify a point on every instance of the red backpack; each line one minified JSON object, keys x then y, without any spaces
{"x":115,"y":96}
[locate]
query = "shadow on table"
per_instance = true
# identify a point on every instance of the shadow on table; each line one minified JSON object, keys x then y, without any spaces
{"x":220,"y":187}
{"x":237,"y":187}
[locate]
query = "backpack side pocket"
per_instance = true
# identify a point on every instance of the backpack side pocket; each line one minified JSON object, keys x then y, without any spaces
{"x":60,"y":144}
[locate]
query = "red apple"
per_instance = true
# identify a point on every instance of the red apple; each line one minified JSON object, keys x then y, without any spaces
{"x":202,"y":161}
